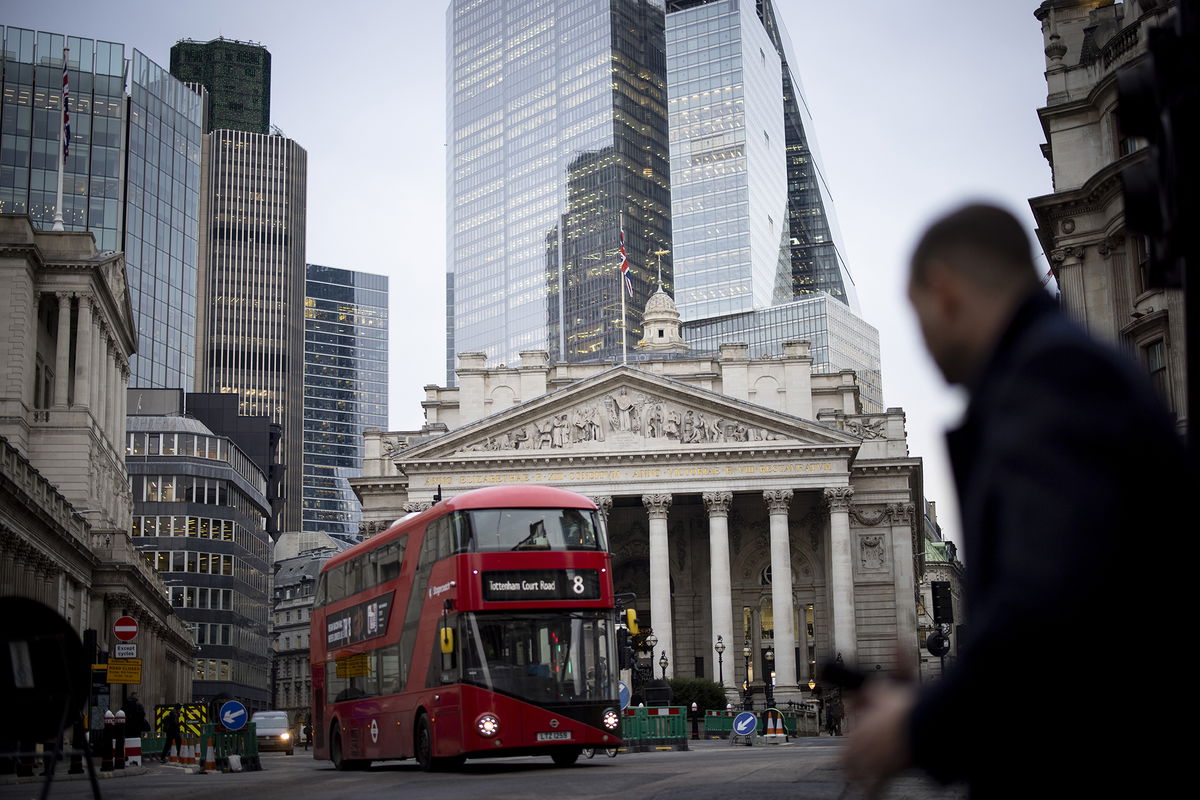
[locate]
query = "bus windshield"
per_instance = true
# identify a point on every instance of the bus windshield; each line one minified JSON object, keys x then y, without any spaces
{"x":533,"y":529}
{"x":544,"y":658}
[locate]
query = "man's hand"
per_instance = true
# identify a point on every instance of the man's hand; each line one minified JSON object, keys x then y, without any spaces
{"x":878,"y":745}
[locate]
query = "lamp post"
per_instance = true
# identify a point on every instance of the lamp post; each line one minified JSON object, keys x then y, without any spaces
{"x":770,"y":678}
{"x":747,"y":701}
{"x":720,"y":648}
{"x":663,"y":662}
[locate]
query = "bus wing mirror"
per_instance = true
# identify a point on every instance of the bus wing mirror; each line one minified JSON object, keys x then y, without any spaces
{"x":447,"y":638}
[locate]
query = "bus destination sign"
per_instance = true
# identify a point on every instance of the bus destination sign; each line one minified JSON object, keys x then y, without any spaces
{"x":542,"y":584}
{"x":358,"y":622}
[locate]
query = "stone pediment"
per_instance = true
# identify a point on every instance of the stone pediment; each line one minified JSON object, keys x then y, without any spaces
{"x":626,"y":410}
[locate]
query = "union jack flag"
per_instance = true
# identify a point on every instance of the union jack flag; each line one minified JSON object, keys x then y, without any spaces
{"x":66,"y":95}
{"x":625,"y":266}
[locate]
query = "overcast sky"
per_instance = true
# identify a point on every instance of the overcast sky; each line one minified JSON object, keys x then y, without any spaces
{"x":917,"y":106}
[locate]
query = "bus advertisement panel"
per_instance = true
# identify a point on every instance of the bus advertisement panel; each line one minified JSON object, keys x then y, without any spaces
{"x":484,"y":626}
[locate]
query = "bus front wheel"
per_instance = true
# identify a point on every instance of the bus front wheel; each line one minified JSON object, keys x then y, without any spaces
{"x":423,"y":744}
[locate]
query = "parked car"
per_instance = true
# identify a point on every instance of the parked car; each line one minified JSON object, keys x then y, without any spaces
{"x":274,"y":731}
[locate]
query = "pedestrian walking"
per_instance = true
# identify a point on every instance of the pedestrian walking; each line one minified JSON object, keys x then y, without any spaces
{"x":172,"y":731}
{"x":1067,"y":465}
{"x":307,"y":735}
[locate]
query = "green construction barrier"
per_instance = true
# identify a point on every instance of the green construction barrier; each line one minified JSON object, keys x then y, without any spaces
{"x":718,"y":724}
{"x":655,"y":728}
{"x":241,"y":743}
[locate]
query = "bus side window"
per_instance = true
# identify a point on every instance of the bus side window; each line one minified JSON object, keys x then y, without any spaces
{"x":389,"y":565}
{"x":319,"y":598}
{"x":336,"y":584}
{"x":389,"y":670}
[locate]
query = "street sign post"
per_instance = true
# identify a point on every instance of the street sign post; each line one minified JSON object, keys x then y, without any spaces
{"x":233,"y":716}
{"x":623,"y":694}
{"x":125,"y":650}
{"x":745,"y":726}
{"x":124,"y":670}
{"x":125,"y":629}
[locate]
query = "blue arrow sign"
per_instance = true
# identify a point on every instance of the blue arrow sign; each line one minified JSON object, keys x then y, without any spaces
{"x":745,"y":723}
{"x":233,"y":715}
{"x":623,"y":694}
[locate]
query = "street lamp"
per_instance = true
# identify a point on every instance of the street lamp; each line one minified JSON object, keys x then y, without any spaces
{"x":747,"y":702}
{"x":812,"y":685}
{"x":720,"y":648}
{"x":663,"y":662}
{"x":651,"y":641}
{"x":770,"y":689}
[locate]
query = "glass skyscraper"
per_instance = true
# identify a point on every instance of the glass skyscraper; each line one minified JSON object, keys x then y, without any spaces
{"x":739,"y":128}
{"x":345,"y":389}
{"x":251,"y":331}
{"x":838,"y":337}
{"x":556,"y":121}
{"x":729,"y":190}
{"x":132,"y":177}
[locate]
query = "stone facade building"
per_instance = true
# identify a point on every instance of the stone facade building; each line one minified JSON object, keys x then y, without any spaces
{"x":67,"y":334}
{"x":1101,"y":268}
{"x":746,"y":498}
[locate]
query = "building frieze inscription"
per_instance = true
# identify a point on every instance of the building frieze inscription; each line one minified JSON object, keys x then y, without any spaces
{"x":624,"y":474}
{"x":623,"y":417}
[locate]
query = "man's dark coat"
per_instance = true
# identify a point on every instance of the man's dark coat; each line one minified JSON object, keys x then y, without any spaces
{"x":1069,"y":474}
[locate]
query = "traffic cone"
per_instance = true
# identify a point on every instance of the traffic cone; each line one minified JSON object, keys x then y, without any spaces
{"x":210,"y":757}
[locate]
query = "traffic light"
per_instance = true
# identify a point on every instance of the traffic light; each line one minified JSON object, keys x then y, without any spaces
{"x":631,"y":620}
{"x":943,"y":602}
{"x":1157,"y":100}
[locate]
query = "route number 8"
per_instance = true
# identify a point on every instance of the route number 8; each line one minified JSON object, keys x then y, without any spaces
{"x":577,"y":584}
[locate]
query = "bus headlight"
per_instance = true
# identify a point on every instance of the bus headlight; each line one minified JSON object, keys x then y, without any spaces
{"x":488,"y":725}
{"x":611,"y":719}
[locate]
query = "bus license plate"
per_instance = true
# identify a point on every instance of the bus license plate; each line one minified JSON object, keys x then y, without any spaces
{"x":553,"y":736}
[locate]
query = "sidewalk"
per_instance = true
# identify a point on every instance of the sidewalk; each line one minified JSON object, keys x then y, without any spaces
{"x":61,"y":774}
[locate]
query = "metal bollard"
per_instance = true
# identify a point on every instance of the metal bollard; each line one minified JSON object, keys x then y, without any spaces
{"x":695,"y":721}
{"x":119,"y":740}
{"x":106,"y":742}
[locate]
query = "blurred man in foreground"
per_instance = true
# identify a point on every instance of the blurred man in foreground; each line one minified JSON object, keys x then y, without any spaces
{"x":1069,"y":475}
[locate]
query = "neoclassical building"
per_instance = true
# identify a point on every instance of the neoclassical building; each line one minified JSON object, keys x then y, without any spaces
{"x":1103,"y":270}
{"x":66,"y":337}
{"x":747,"y":499}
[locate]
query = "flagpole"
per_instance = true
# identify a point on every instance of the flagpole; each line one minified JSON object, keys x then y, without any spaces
{"x":62,"y":146}
{"x":621,"y":289}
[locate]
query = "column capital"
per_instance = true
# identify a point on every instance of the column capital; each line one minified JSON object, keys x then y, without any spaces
{"x":718,"y":503}
{"x":418,"y":507}
{"x":657,"y":505}
{"x":838,"y":498}
{"x":603,"y":502}
{"x":777,"y":500}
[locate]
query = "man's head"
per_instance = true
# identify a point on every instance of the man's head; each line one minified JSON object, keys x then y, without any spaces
{"x":969,"y":272}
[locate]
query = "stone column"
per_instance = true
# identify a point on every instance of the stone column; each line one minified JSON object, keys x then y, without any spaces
{"x":782,"y":605}
{"x":83,"y":353}
{"x":62,"y":351}
{"x":94,"y":368}
{"x":841,"y":573}
{"x":720,"y":589}
{"x":657,"y":506}
{"x":902,"y":516}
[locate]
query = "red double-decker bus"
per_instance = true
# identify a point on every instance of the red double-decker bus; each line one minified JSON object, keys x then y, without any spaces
{"x":484,"y":626}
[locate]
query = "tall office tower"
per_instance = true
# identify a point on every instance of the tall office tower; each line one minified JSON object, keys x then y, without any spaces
{"x":250,"y":331}
{"x":752,"y":214}
{"x":200,"y":508}
{"x":132,"y":177}
{"x":237,"y":76}
{"x":345,"y":390}
{"x":556,"y":120}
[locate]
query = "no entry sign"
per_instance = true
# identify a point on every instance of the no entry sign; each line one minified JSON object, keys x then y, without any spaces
{"x":125,"y":628}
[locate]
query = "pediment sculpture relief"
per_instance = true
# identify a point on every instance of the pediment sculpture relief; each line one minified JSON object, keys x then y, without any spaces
{"x":627,"y":418}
